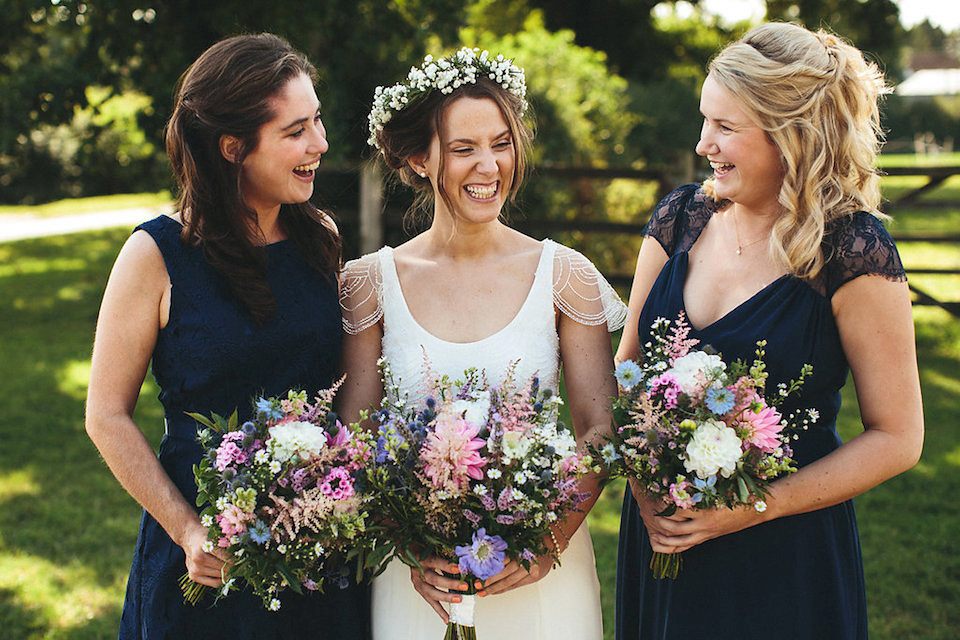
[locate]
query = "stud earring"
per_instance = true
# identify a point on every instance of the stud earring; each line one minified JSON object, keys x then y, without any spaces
{"x":423,"y":174}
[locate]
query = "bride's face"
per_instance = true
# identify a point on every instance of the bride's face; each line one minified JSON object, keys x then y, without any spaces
{"x":479,"y":157}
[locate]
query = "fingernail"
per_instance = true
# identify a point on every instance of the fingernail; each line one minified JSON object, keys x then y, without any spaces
{"x":477,"y":585}
{"x":463,"y":586}
{"x":457,"y":599}
{"x":481,"y":593}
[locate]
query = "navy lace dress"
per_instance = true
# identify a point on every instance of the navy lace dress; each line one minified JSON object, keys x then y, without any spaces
{"x":798,"y":577}
{"x":211,"y":357}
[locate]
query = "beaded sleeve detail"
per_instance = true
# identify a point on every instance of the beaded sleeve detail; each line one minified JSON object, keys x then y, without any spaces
{"x":361,"y":288}
{"x":858,"y":245}
{"x":581,"y":293}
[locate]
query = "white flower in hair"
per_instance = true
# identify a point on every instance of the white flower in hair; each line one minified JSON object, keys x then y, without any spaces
{"x":444,"y":75}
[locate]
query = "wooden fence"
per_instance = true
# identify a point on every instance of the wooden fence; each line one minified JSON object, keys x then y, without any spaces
{"x":372,"y":223}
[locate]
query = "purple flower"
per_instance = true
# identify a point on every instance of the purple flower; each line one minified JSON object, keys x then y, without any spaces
{"x":484,"y":558}
{"x":471,"y":516}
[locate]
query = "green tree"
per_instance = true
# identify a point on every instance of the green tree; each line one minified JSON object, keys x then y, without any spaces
{"x":873,"y":26}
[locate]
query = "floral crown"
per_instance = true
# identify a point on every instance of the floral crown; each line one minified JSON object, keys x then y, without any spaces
{"x":445,"y":74}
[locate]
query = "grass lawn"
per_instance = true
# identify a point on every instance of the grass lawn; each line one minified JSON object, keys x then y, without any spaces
{"x":67,"y":529}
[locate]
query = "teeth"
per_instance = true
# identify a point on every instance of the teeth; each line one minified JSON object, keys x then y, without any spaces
{"x":307,"y":167}
{"x":481,"y":192}
{"x":720,"y":166}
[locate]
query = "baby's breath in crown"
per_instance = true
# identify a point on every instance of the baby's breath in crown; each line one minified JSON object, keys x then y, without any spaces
{"x":445,"y":74}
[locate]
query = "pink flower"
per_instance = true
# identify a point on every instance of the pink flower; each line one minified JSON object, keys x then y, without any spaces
{"x":680,"y":494}
{"x":342,"y":437}
{"x":337,"y":484}
{"x":450,"y":454}
{"x":666,"y":385}
{"x":228,"y":453}
{"x":764,"y":428}
{"x":233,"y":520}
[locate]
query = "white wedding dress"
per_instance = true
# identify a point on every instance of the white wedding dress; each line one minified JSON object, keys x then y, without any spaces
{"x":564,"y":605}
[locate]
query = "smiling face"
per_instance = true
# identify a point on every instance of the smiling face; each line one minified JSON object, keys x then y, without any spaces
{"x":479,"y":157}
{"x":280,"y":169}
{"x":746,"y":164}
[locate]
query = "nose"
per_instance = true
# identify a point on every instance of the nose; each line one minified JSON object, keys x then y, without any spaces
{"x":319,"y":138}
{"x":487,"y":161}
{"x":706,"y":145}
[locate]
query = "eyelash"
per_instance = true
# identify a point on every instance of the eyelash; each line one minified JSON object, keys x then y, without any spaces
{"x":299,"y":132}
{"x":498,"y":145}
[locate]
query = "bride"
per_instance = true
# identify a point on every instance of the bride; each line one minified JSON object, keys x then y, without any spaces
{"x":472,"y":292}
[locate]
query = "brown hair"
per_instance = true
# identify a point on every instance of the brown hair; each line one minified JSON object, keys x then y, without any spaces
{"x":227,"y":91}
{"x":409,"y":132}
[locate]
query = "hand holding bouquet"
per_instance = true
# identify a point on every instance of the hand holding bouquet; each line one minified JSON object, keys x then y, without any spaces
{"x":695,"y":433}
{"x":478,"y":474}
{"x":283,"y":495}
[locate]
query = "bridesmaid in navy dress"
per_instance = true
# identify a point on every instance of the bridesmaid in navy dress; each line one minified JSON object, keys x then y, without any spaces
{"x":234,"y":297}
{"x":783,"y":243}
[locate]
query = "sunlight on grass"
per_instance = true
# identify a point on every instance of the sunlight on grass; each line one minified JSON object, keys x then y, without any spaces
{"x":65,"y":595}
{"x":92,"y":204}
{"x":73,"y":378}
{"x":17,"y":483}
{"x":46,"y":265}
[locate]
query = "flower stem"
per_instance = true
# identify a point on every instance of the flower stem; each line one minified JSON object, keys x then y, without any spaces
{"x":665,"y":565}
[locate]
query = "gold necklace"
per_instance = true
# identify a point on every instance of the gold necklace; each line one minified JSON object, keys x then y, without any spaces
{"x":741,"y":247}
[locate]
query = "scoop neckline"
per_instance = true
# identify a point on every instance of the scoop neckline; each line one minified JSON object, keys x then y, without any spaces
{"x":388,"y":251}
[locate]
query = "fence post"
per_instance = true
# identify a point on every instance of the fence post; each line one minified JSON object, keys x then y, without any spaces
{"x":371,"y":208}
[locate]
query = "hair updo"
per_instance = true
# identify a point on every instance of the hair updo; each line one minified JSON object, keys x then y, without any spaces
{"x":816,"y":97}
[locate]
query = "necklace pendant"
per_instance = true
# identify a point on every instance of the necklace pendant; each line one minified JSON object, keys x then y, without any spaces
{"x":739,"y":250}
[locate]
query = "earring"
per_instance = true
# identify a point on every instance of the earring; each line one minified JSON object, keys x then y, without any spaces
{"x":423,"y":174}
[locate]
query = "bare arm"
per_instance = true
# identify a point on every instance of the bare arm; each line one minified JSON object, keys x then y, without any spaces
{"x":876,"y":328}
{"x":650,"y":261}
{"x":133,"y":309}
{"x":362,"y":389}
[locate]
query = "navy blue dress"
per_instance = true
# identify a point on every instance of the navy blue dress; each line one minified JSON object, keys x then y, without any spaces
{"x":212,"y":357}
{"x":798,"y":577}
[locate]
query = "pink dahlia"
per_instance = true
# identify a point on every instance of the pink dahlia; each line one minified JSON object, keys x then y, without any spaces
{"x":764,"y":428}
{"x":450,"y":454}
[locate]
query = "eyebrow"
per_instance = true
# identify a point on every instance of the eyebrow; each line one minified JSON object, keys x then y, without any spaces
{"x":505,"y":133}
{"x":300,"y":121}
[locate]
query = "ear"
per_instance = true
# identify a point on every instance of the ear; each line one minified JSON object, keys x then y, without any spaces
{"x":418,"y":164}
{"x":230,"y":148}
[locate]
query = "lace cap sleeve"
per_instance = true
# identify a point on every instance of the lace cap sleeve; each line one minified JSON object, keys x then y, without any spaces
{"x":859,"y":245}
{"x":677,"y":220}
{"x":361,"y":284}
{"x":583,"y":294}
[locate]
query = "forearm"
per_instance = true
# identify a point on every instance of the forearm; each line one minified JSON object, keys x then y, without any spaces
{"x":134,"y":463}
{"x":861,"y":464}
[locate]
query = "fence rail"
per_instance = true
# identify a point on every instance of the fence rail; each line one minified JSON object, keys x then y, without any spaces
{"x":372,"y":221}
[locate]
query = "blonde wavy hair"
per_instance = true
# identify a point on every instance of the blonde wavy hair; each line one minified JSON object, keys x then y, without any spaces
{"x":816,"y":96}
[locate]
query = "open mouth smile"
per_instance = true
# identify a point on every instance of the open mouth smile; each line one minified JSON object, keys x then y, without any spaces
{"x":482,"y":192}
{"x":307,"y":170}
{"x":721,"y":168}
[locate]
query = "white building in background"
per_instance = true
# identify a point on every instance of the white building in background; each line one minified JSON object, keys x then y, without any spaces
{"x":937,"y":85}
{"x":931,"y":82}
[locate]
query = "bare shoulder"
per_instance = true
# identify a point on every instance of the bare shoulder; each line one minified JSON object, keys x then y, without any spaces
{"x":140,"y":260}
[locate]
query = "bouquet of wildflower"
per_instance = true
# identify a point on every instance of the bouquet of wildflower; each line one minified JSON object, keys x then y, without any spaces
{"x":283,"y":495}
{"x":476,"y":474}
{"x":696,"y":434}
